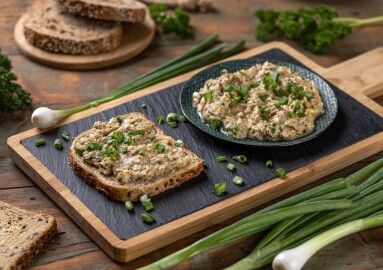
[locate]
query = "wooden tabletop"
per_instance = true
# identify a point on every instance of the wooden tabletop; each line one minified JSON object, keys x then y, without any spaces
{"x":233,"y":20}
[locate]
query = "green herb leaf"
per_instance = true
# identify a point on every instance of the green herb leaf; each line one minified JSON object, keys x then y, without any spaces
{"x":281,"y":173}
{"x":40,"y":142}
{"x":282,"y":101}
{"x":65,"y":135}
{"x":129,"y":140}
{"x":145,"y":198}
{"x":160,"y":119}
{"x":254,"y":84}
{"x":148,"y":218}
{"x":207,"y":96}
{"x":118,"y":136}
{"x":204,"y":163}
{"x":215,"y":124}
{"x":269,"y":163}
{"x":221,"y":158}
{"x":263,"y":112}
{"x":238,"y":181}
{"x":233,"y":128}
{"x":148,"y":206}
{"x":129,"y":206}
{"x":160,"y":148}
{"x":275,"y":75}
{"x":183,"y":118}
{"x":95,"y":146}
{"x":172,"y":117}
{"x":137,"y":132}
{"x":231,"y":167}
{"x":144,"y":106}
{"x":309,"y":95}
{"x":142,"y":153}
{"x":119,"y":120}
{"x":219,"y":189}
{"x":240,"y":158}
{"x":262,"y":97}
{"x":58,"y":144}
{"x":173,"y":124}
{"x":124,"y":150}
{"x":152,"y":136}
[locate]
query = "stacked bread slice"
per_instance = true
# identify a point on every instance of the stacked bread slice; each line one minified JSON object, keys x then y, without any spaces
{"x":80,"y":27}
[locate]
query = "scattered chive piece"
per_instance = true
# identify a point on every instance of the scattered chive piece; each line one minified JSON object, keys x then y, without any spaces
{"x":119,"y":120}
{"x":144,"y":106}
{"x":171,"y":117}
{"x":160,"y":119}
{"x":142,"y":153}
{"x":148,"y":218}
{"x":233,"y":128}
{"x":58,"y":144}
{"x":65,"y":135}
{"x":204,"y":163}
{"x":144,"y":198}
{"x":160,"y":148}
{"x":183,"y":118}
{"x":173,"y":124}
{"x":281,"y":173}
{"x":309,"y":95}
{"x":208,"y":95}
{"x":148,"y":206}
{"x":238,"y":180}
{"x":231,"y":167}
{"x":219,"y":189}
{"x":118,"y":136}
{"x":269,"y":163}
{"x":240,"y":158}
{"x":95,"y":146}
{"x":40,"y":142}
{"x":152,"y":136}
{"x":221,"y":158}
{"x":137,"y":132}
{"x":129,"y":206}
{"x":124,"y":150}
{"x":215,"y":124}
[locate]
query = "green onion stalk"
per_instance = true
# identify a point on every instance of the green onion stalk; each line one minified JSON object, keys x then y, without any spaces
{"x":198,"y":56}
{"x":293,"y":213}
{"x":295,"y":259}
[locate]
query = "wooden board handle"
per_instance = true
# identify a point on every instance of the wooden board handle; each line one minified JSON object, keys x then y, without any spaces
{"x":361,"y":77}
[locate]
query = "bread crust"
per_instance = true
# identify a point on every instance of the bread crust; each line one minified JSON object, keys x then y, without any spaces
{"x":134,"y":13}
{"x":112,"y":189}
{"x":38,"y":242}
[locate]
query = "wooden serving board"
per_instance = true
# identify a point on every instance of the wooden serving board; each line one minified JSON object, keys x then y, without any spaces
{"x":356,"y":134}
{"x":135,"y":39}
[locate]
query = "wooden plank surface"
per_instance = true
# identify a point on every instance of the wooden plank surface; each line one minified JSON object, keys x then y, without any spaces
{"x":66,"y":89}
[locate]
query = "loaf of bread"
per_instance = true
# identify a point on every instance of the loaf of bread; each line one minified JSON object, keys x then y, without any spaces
{"x":114,"y":10}
{"x":49,"y":27}
{"x":129,"y":156}
{"x":22,"y":235}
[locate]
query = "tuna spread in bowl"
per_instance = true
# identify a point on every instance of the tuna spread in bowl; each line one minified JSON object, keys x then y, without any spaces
{"x":266,"y":102}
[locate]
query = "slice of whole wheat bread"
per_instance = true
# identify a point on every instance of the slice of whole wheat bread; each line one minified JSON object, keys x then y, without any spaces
{"x":49,"y":27}
{"x":22,"y":235}
{"x":114,"y":10}
{"x":142,"y":169}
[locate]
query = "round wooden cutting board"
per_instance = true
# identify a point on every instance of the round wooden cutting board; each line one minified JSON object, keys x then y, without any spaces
{"x":135,"y":39}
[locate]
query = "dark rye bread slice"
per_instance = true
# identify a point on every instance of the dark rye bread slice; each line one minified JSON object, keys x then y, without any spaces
{"x":22,"y":235}
{"x":147,"y":182}
{"x":49,"y":27}
{"x":113,"y":10}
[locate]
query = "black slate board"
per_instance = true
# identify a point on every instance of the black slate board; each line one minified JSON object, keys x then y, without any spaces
{"x":353,"y":123}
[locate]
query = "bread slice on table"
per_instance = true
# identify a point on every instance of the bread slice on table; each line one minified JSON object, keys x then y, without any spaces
{"x":22,"y":235}
{"x":114,"y":10}
{"x":49,"y":27}
{"x":129,"y":156}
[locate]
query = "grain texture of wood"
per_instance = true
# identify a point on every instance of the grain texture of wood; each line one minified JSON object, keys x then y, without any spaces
{"x":60,"y":89}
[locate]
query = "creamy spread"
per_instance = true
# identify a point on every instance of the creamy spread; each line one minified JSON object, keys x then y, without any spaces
{"x":264,"y":102}
{"x":131,"y":149}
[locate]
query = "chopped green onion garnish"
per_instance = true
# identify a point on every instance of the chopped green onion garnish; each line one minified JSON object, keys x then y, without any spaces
{"x":119,"y":120}
{"x":129,"y":140}
{"x":309,"y":95}
{"x":297,"y":106}
{"x":240,"y":158}
{"x":145,"y":198}
{"x":148,"y":206}
{"x":137,"y":132}
{"x":172,"y":117}
{"x":221,"y":158}
{"x":233,"y":128}
{"x":58,"y":144}
{"x":219,"y":189}
{"x":204,"y":163}
{"x":254,"y":84}
{"x":231,"y":167}
{"x":263,"y":112}
{"x":118,"y":136}
{"x":262,"y":97}
{"x":238,"y":180}
{"x":144,"y":106}
{"x":173,"y":124}
{"x":208,"y":95}
{"x":148,"y":218}
{"x":40,"y":142}
{"x":275,"y":75}
{"x":129,"y":206}
{"x":95,"y":146}
{"x":269,"y":163}
{"x":124,"y":150}
{"x":281,"y":173}
{"x":65,"y":135}
{"x":152,"y":136}
{"x":183,"y":118}
{"x":160,"y":119}
{"x":142,"y":153}
{"x":282,"y":101}
{"x":216,"y":124}
{"x":160,"y":148}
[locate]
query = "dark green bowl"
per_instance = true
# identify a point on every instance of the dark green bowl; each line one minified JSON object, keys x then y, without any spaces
{"x":197,"y":81}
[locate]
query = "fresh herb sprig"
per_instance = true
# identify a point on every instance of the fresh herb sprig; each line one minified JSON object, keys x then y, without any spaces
{"x":178,"y":23}
{"x":317,"y":28}
{"x":12,"y":96}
